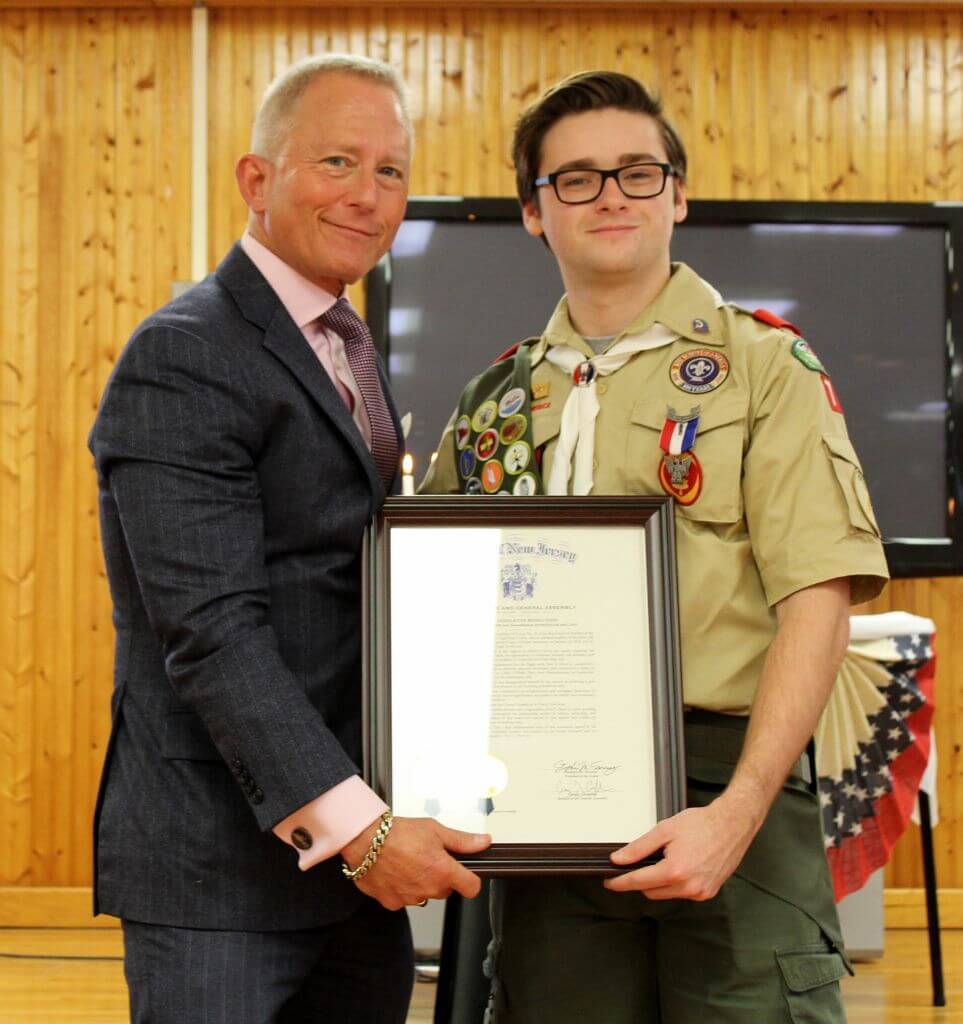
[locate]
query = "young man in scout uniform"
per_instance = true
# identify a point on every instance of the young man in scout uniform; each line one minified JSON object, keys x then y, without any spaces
{"x":646,"y":381}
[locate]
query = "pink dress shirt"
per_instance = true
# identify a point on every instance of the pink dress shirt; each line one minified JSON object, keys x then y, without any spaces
{"x":338,"y":815}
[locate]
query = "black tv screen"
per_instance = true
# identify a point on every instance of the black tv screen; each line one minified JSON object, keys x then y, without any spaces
{"x":873,"y":288}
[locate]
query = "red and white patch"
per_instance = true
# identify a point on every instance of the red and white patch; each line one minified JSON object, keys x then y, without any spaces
{"x":831,"y":396}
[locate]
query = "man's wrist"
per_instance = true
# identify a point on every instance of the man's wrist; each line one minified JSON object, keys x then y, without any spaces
{"x":373,"y":850}
{"x":353,"y":852}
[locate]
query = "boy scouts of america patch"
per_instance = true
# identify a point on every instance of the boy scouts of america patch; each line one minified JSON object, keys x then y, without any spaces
{"x":809,"y":359}
{"x":493,"y":431}
{"x":699,"y":371}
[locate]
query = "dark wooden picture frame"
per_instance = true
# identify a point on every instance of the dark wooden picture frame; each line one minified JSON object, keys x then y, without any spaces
{"x":654,"y":516}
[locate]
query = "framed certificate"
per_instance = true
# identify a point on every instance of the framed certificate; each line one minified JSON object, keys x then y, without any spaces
{"x":522,"y":673}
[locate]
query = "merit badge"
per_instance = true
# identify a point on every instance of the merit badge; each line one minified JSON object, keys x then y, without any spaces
{"x":518,"y":457}
{"x":485,"y":416}
{"x":513,"y":428}
{"x":681,"y":477}
{"x":486,"y":444}
{"x":525,"y":486}
{"x":700,"y":326}
{"x":473,"y":486}
{"x":466,"y":463}
{"x":831,"y":396}
{"x":541,"y":389}
{"x":511,"y":402}
{"x":809,"y":359}
{"x":584,"y":374}
{"x":492,"y":476}
{"x":462,"y":432}
{"x":699,"y":370}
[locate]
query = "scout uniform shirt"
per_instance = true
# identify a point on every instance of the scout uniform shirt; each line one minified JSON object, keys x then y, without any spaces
{"x":781,"y":502}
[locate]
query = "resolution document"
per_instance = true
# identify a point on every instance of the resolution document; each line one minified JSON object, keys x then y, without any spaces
{"x":520,"y":682}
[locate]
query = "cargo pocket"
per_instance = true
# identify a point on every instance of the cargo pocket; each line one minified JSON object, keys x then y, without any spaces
{"x":810,"y":977}
{"x":719,"y":448}
{"x":852,"y":484}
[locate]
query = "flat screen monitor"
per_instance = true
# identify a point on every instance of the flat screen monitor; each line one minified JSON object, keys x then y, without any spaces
{"x":872,"y":287}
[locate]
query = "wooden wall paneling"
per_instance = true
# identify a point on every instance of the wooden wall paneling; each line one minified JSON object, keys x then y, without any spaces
{"x":916,"y":105}
{"x":222,"y":92}
{"x":53,"y":704}
{"x":438,"y":157}
{"x":876,"y":152}
{"x":953,"y":83}
{"x":104,"y":347}
{"x":937,"y":161}
{"x":19,"y":144}
{"x":855,"y":132}
{"x":497,"y":166}
{"x":416,"y":76}
{"x":473,"y":148}
{"x":92,"y":92}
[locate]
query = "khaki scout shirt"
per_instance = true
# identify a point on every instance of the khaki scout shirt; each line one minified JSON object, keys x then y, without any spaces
{"x":783,"y":504}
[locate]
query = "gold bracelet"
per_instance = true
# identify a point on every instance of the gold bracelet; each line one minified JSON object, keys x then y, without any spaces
{"x":377,"y":841}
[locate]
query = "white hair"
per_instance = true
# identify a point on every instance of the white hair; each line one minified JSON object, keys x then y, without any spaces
{"x":275,"y":115}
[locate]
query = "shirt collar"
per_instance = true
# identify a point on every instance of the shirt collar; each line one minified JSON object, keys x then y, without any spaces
{"x":687,"y":305}
{"x":304,"y":300}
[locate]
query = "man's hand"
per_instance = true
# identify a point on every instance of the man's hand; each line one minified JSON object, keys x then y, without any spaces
{"x":702,"y":847}
{"x":414,"y":863}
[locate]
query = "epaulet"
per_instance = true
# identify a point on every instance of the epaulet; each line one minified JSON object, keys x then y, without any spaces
{"x":509,"y":352}
{"x":764,"y":316}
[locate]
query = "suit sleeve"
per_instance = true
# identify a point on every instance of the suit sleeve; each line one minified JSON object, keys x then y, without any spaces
{"x":175,"y":443}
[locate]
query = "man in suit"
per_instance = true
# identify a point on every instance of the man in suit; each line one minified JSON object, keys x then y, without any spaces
{"x":243,"y":442}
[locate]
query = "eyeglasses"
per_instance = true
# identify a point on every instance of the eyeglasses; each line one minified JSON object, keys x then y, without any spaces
{"x":637,"y":181}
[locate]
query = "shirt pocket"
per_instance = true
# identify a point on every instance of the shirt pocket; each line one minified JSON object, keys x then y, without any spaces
{"x":849,"y":475}
{"x":719,"y":447}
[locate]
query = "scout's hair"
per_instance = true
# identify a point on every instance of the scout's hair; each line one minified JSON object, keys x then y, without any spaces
{"x":275,"y":115}
{"x":588,"y":90}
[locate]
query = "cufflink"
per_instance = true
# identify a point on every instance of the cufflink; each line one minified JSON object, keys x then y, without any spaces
{"x":302,"y":839}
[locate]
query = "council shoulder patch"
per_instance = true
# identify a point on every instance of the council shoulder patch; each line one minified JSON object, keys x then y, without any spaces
{"x":804,"y":353}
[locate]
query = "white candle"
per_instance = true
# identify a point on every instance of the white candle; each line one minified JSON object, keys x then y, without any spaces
{"x":407,"y":477}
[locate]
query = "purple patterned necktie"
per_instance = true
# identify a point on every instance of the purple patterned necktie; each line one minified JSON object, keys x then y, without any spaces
{"x":360,"y":350}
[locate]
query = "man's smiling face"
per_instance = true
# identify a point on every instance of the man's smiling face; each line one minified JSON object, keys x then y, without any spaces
{"x":335,"y":193}
{"x":612,"y":236}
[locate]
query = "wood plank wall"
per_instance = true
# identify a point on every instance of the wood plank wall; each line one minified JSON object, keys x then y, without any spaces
{"x":94,"y":223}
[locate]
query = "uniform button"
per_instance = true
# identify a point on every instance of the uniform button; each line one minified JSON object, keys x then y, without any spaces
{"x":301,"y":838}
{"x":601,"y":387}
{"x":257,"y":797}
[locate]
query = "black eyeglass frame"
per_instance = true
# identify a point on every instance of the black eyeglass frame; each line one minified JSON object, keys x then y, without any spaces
{"x":668,"y":171}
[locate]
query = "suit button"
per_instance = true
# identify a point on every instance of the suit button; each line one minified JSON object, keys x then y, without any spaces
{"x":237,"y":767}
{"x":301,"y":838}
{"x":257,"y":797}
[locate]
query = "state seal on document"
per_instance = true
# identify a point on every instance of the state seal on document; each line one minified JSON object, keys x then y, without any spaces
{"x":518,"y":581}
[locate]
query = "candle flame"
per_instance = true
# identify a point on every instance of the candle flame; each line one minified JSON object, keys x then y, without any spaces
{"x":407,"y":464}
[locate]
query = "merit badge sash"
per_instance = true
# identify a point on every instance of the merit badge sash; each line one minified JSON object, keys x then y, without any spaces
{"x":680,"y":473}
{"x":493,"y":430}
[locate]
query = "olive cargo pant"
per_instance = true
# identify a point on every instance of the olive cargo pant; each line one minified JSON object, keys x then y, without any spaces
{"x":766,"y":950}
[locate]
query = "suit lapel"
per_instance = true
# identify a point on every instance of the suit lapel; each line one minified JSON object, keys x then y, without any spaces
{"x":260,"y":304}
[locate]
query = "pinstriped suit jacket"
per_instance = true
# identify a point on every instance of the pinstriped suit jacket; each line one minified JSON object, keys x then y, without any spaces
{"x":234,"y":493}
